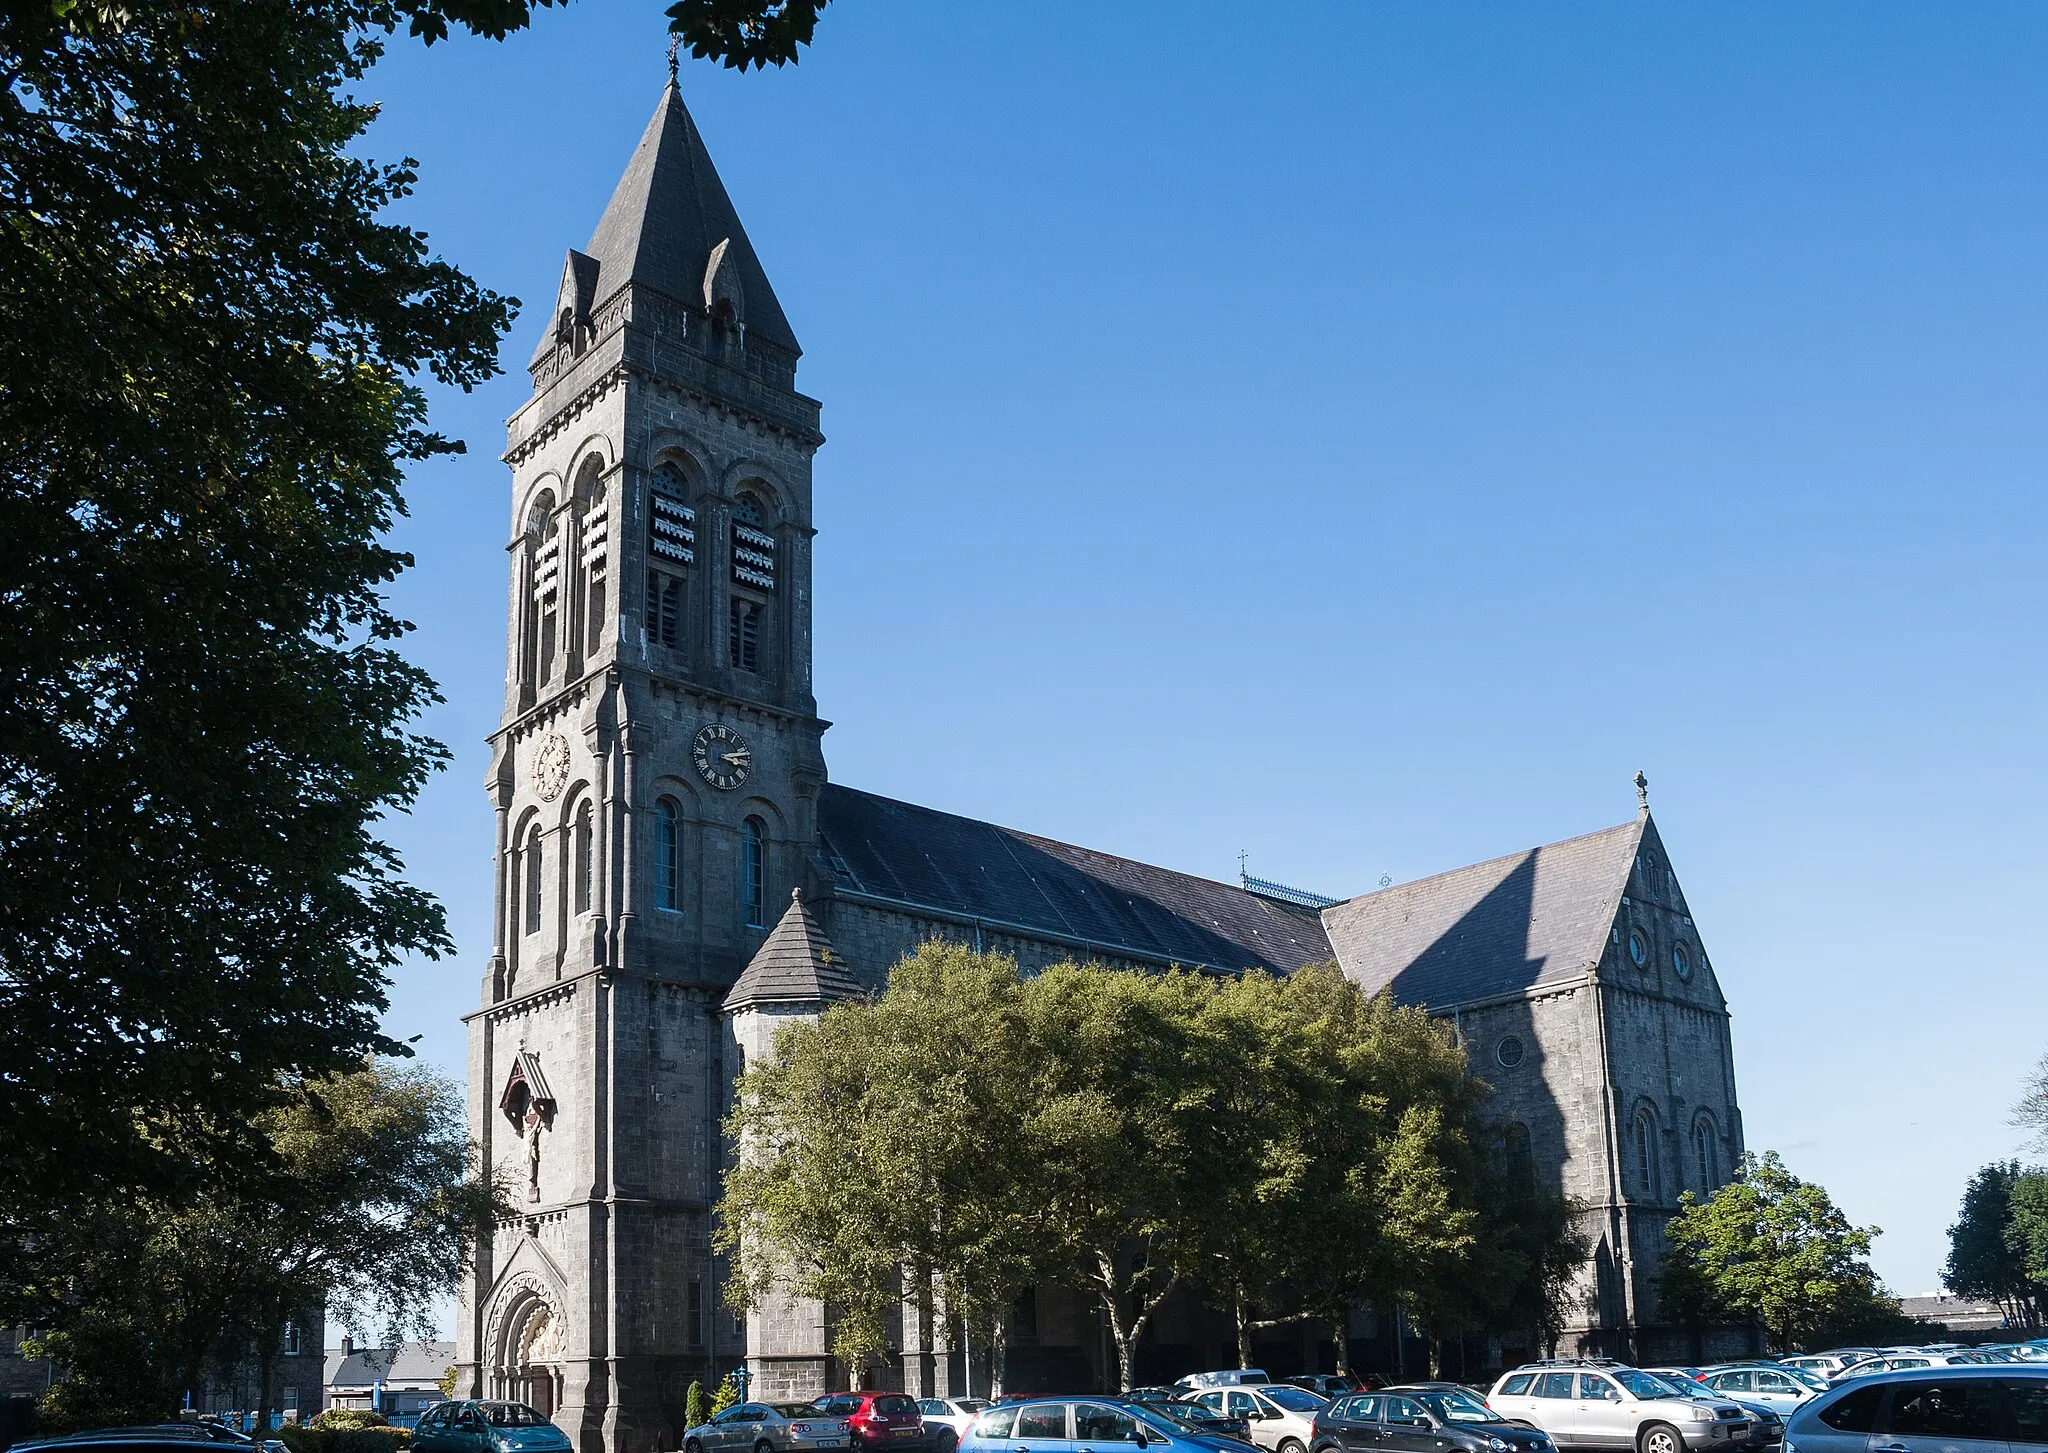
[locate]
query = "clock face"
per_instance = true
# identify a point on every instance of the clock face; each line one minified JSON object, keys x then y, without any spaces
{"x":722,"y":756}
{"x":551,"y":767}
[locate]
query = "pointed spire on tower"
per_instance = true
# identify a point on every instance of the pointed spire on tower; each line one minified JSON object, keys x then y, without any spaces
{"x":794,"y":965}
{"x":668,"y":216}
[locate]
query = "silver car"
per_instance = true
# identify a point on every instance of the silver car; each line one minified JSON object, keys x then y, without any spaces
{"x":1598,"y":1404}
{"x":767,"y":1428}
{"x":1961,"y":1408}
{"x":1779,"y":1391}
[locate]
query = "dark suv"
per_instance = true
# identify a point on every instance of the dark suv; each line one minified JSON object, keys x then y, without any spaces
{"x":876,"y":1420}
{"x":1412,"y":1419}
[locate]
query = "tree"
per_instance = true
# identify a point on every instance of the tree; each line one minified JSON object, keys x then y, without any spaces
{"x":2031,"y":1112}
{"x":743,"y":33}
{"x":1986,"y":1258}
{"x":206,"y":406}
{"x":840,"y":1186}
{"x":696,"y":1406}
{"x":1773,"y":1248}
{"x":372,"y":1214}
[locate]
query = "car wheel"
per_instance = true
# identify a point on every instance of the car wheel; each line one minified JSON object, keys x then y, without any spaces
{"x":1660,"y":1438}
{"x":764,"y":1446}
{"x":947,"y":1440}
{"x":693,"y":1446}
{"x":1289,"y":1445}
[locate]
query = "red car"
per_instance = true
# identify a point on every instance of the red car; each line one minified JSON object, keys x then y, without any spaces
{"x":875,"y":1420}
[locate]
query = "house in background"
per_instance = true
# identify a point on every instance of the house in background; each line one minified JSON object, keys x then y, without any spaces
{"x":400,"y":1382}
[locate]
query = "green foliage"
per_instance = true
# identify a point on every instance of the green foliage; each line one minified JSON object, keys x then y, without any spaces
{"x":1287,"y":1143}
{"x":696,"y":1406}
{"x":446,"y":1381}
{"x":1772,"y":1248}
{"x":2027,"y":1231}
{"x":743,"y":33}
{"x":1988,"y":1252}
{"x":370,"y":1212}
{"x":327,"y":1435}
{"x":208,"y":347}
{"x":340,"y":1418}
{"x":728,"y":1393}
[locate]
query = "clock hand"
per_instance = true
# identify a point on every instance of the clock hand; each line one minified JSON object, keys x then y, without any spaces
{"x":738,"y":759}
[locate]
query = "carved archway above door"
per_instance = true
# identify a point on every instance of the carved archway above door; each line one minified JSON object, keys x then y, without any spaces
{"x":526,"y":1346}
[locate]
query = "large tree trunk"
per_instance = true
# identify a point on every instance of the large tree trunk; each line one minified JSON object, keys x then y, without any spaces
{"x":1340,"y":1333}
{"x":1244,"y":1330}
{"x":998,"y":1357}
{"x":1126,"y":1329}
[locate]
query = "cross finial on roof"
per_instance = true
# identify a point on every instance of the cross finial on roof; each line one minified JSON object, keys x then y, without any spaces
{"x":1643,"y":791}
{"x":674,"y":44}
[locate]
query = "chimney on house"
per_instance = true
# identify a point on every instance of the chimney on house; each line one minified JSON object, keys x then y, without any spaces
{"x":348,"y":1345}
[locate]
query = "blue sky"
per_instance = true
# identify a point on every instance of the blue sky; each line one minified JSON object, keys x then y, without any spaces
{"x":1362,"y":438}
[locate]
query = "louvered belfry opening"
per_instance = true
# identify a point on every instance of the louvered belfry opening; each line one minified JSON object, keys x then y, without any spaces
{"x":671,"y":550}
{"x":753,"y":582}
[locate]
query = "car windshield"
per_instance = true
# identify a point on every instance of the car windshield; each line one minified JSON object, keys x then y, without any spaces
{"x":1457,"y":1408}
{"x":512,"y":1415}
{"x":1643,"y":1385}
{"x":1294,"y":1399}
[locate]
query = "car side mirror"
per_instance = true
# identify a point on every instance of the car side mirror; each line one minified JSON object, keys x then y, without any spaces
{"x":1138,"y":1437}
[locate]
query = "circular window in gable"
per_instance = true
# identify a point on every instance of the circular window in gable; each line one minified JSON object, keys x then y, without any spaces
{"x":1509,"y":1052}
{"x":1681,"y":961}
{"x":1638,"y":949}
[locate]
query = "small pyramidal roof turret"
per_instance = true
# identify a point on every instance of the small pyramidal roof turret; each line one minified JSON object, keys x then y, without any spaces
{"x":671,"y":227}
{"x":795,"y":964}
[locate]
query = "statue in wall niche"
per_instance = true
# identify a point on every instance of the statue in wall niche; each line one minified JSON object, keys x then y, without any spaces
{"x":530,"y":1106}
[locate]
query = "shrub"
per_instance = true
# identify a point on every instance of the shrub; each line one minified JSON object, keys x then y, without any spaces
{"x":373,"y":1438}
{"x":728,"y":1394}
{"x":339,"y":1418}
{"x":696,"y":1407}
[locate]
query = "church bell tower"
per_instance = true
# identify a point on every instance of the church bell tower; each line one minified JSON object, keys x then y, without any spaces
{"x":655,"y":777}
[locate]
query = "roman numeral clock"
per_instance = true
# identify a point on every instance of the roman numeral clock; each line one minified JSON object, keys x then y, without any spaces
{"x":722,"y":756}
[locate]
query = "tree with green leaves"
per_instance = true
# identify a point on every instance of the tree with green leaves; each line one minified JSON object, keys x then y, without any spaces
{"x":1771,"y":1248}
{"x":862,"y":1151}
{"x":371,"y":1215}
{"x":1985,"y":1257}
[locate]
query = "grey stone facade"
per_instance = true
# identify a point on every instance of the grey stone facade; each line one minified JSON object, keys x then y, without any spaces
{"x":660,"y":792}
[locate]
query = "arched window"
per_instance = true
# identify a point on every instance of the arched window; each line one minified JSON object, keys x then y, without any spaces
{"x":671,"y":549}
{"x":753,"y":579}
{"x":1646,"y":1152}
{"x":667,"y":856}
{"x":1707,"y":1154}
{"x":583,"y":835}
{"x":754,"y":873}
{"x":531,"y":867}
{"x":1521,"y":1160}
{"x":596,"y":537}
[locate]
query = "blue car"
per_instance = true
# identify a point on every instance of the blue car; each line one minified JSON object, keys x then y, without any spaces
{"x":1087,"y":1425}
{"x":486,"y":1427}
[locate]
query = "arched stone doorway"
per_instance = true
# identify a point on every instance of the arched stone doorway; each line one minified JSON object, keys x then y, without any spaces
{"x":528,"y":1353}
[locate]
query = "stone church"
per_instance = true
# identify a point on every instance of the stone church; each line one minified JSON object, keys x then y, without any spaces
{"x":673,"y":860}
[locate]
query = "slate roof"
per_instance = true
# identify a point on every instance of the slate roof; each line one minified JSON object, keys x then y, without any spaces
{"x":795,"y":963}
{"x":668,"y":212}
{"x":1019,"y":883}
{"x":420,"y":1363}
{"x":1493,"y":928}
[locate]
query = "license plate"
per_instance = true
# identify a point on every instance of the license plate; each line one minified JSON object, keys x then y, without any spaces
{"x":824,"y":1442}
{"x":904,"y":1432}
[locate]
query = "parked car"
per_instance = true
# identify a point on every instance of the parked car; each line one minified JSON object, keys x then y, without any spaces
{"x":160,"y":1438}
{"x":1421,"y":1420}
{"x":946,"y":1420}
{"x":1588,"y":1404}
{"x":1949,"y":1408}
{"x":1827,"y":1364}
{"x":1233,"y":1377}
{"x":873,"y":1419}
{"x":1279,"y":1416}
{"x":471,"y":1426}
{"x":769,"y":1428}
{"x":1085,"y":1425}
{"x":1327,"y":1384}
{"x":1902,"y":1361}
{"x":1776,"y":1389}
{"x":1195,"y":1418}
